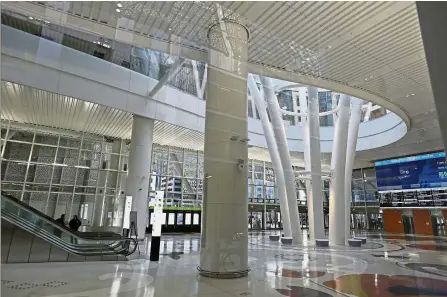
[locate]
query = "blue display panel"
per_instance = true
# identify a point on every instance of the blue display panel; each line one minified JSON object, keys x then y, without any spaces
{"x":426,"y":171}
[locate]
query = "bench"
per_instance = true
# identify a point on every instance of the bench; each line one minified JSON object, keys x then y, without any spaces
{"x":355,"y":242}
{"x":274,"y":237}
{"x":286,"y":240}
{"x":322,"y":242}
{"x":363,"y":239}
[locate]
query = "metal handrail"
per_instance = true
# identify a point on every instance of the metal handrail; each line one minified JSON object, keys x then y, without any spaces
{"x":79,"y":249}
{"x":17,"y":220}
{"x":49,"y":220}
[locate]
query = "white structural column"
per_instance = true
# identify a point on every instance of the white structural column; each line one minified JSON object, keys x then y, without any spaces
{"x":314,"y":195}
{"x":224,"y":236}
{"x":138,"y":177}
{"x":274,"y":156}
{"x":283,"y":149}
{"x":353,"y":131}
{"x":337,"y":186}
{"x":433,"y":21}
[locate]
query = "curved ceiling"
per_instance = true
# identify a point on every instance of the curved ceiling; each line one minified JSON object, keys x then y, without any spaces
{"x":372,"y":50}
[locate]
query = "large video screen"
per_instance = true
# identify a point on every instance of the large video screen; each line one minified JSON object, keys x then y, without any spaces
{"x":426,"y":171}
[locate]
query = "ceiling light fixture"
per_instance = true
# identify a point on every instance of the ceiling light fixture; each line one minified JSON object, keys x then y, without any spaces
{"x":31,"y":18}
{"x":118,"y":10}
{"x":119,"y":5}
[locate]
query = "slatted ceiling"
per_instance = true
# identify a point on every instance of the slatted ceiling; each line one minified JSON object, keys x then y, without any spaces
{"x":392,"y":83}
{"x":85,"y":10}
{"x":379,"y":39}
{"x":160,"y":23}
{"x":94,"y":12}
{"x":32,"y":106}
{"x":186,"y":7}
{"x":182,"y":24}
{"x":340,"y":27}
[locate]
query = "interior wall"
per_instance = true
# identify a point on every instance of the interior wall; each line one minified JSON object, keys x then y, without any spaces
{"x":422,"y":222}
{"x":393,"y":220}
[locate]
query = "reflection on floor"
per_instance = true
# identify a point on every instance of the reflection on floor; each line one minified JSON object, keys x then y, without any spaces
{"x":388,"y":265}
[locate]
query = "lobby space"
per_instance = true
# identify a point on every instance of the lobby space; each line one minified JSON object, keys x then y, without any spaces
{"x":387,"y":265}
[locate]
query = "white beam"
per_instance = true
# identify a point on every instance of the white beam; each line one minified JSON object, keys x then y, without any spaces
{"x":167,"y":77}
{"x":356,"y":115}
{"x":274,"y":155}
{"x":337,"y":186}
{"x":283,"y":149}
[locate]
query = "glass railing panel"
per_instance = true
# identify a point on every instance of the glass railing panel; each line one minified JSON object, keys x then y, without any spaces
{"x":60,"y":235}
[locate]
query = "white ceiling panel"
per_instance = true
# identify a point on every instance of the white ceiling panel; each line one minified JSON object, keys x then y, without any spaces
{"x":375,"y":46}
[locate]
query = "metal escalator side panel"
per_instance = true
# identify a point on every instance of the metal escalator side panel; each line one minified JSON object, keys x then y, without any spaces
{"x":46,"y":229}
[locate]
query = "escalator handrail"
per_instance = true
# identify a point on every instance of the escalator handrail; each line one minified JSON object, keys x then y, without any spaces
{"x":55,"y":225}
{"x":89,"y":249}
{"x":94,"y":250}
{"x":48,"y":218}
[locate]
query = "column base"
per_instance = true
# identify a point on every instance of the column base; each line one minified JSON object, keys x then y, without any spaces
{"x":232,"y":274}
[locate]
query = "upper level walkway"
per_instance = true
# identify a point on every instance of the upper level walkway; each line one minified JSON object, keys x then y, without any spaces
{"x":66,"y":65}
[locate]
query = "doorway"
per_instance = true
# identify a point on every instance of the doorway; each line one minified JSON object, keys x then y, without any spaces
{"x":255,"y":219}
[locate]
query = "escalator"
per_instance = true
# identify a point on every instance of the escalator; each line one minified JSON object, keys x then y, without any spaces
{"x":28,"y":235}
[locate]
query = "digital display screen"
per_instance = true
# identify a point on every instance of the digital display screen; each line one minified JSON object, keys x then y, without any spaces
{"x":426,"y":171}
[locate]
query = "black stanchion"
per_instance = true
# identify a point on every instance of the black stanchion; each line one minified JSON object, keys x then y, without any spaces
{"x":155,"y":248}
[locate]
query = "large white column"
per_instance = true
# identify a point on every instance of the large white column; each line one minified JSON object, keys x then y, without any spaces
{"x":353,"y":131}
{"x":283,"y":149}
{"x":274,"y":156}
{"x":138,"y":177}
{"x":314,"y":196}
{"x":433,"y":21}
{"x":224,"y":237}
{"x":337,"y":186}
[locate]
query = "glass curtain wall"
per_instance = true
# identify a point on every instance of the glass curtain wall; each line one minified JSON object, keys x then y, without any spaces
{"x":66,"y":173}
{"x":60,"y":173}
{"x":364,"y":187}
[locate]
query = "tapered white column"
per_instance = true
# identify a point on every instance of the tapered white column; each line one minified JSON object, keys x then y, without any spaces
{"x":337,"y":198}
{"x":433,"y":22}
{"x":224,"y":237}
{"x":138,"y":177}
{"x":314,"y":196}
{"x":283,"y":149}
{"x":274,"y":156}
{"x":353,"y":131}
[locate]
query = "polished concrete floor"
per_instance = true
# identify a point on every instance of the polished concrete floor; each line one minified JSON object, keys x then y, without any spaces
{"x":388,"y":265}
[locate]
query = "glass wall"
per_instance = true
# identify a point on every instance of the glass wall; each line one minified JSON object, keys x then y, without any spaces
{"x":364,"y":187}
{"x":60,"y":173}
{"x":68,"y":173}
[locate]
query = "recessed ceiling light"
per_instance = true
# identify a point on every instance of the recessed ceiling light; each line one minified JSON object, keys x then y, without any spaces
{"x":412,"y":94}
{"x":31,"y":18}
{"x":119,"y":5}
{"x":170,"y":29}
{"x":118,"y":10}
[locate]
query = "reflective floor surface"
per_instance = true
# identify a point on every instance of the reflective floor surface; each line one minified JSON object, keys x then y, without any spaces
{"x":387,"y":265}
